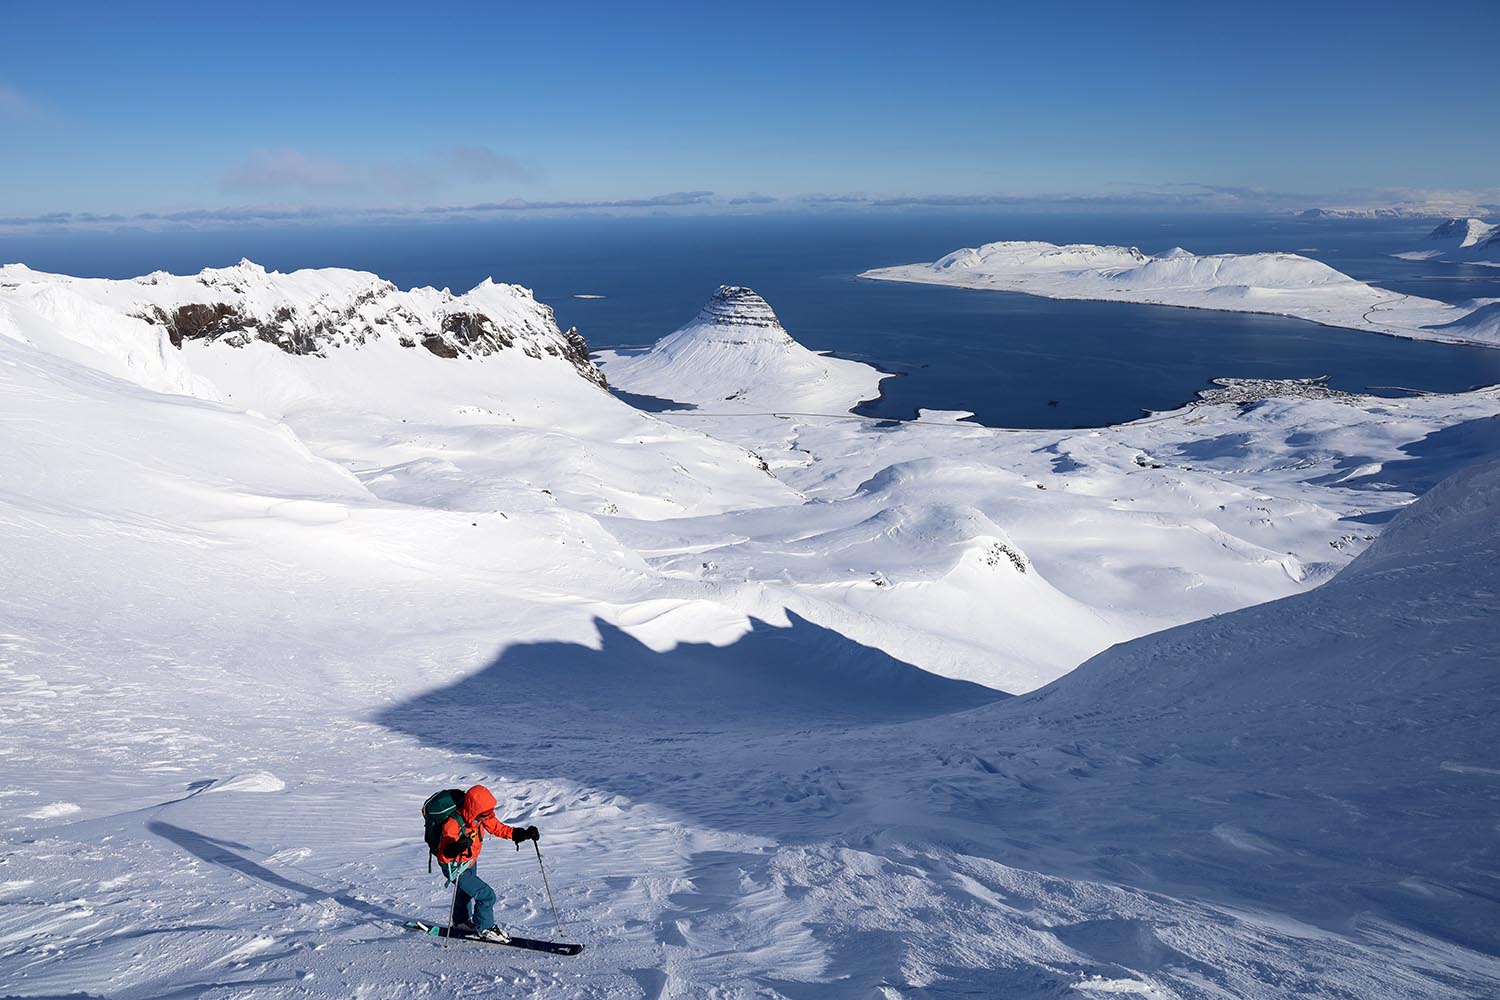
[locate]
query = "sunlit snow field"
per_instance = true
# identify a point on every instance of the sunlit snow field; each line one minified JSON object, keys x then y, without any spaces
{"x":772,"y":679}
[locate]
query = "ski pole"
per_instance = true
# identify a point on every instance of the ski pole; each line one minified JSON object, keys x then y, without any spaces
{"x":548,"y":887}
{"x":452,"y":905}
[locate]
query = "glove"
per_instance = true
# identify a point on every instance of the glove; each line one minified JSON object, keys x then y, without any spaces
{"x":463,"y":844}
{"x":525,"y":833}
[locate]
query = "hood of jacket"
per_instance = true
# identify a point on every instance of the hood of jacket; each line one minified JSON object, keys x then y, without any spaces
{"x":477,"y":801}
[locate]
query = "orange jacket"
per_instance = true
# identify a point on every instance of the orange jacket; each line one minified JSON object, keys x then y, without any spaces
{"x":473,"y":818}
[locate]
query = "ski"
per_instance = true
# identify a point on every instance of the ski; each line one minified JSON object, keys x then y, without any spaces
{"x":528,"y":944}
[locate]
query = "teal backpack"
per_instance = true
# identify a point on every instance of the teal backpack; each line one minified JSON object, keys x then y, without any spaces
{"x":435,"y":812}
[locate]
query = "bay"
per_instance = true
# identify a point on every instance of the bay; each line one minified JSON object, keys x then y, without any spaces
{"x":1012,"y":360}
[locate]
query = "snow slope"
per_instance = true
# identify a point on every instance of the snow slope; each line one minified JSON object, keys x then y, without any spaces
{"x":1281,"y":283}
{"x":1483,"y":324}
{"x":234,"y":658}
{"x":473,"y":402}
{"x":1339,"y":742}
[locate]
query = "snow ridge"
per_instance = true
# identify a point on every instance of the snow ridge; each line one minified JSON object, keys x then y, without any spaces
{"x":1467,"y":231}
{"x":313,"y":312}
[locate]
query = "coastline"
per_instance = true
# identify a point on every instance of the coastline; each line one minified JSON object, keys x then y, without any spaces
{"x":909,"y":274}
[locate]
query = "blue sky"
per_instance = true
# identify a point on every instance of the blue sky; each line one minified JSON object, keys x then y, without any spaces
{"x":194,"y":108}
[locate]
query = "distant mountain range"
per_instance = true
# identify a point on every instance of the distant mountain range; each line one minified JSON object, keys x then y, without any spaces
{"x":1424,"y":211}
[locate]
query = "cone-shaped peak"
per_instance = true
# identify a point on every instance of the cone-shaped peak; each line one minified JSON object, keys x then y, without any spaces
{"x":733,"y":305}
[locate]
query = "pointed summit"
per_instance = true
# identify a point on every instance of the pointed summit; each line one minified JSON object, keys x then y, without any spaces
{"x":737,"y":317}
{"x":1464,"y":232}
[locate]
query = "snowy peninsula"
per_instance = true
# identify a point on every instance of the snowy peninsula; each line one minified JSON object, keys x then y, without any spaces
{"x":1193,"y":706}
{"x":1284,"y":284}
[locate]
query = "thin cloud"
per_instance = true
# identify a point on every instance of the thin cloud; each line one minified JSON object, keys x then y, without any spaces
{"x":835,"y":199}
{"x":269,"y":170}
{"x":1187,"y":197}
{"x":17,"y":106}
{"x":296,"y":171}
{"x":255,"y":214}
{"x":676,"y":199}
{"x":481,"y":163}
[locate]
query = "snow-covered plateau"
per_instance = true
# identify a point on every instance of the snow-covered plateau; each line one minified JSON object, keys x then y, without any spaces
{"x":1284,"y":284}
{"x":794,"y":696}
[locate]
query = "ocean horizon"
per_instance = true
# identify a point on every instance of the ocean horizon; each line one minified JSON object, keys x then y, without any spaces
{"x":1012,"y":360}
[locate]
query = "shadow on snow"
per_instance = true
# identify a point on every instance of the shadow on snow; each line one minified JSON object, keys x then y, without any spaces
{"x":648,"y":724}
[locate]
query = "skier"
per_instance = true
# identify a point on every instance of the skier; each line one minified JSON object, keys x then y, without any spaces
{"x":458,"y":850}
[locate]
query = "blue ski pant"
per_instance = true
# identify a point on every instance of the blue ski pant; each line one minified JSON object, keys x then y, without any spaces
{"x":476,"y":892}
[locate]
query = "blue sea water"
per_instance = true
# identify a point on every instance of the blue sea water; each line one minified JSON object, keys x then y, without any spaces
{"x":1012,"y":360}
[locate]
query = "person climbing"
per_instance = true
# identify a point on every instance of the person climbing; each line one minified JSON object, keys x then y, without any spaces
{"x":459,"y":843}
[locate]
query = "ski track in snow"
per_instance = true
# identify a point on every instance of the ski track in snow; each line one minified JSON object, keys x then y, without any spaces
{"x":238,"y":650}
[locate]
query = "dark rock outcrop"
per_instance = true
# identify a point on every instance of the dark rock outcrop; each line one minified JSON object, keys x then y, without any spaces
{"x":313,"y":312}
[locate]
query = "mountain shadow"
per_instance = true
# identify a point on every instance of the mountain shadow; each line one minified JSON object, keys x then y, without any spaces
{"x":635,"y":721}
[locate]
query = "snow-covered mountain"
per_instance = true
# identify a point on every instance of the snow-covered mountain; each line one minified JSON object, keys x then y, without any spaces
{"x":1462,"y":233}
{"x":473,"y":401}
{"x":736,"y":353}
{"x":1461,"y":240}
{"x":1419,"y":210}
{"x":1285,"y":284}
{"x":1362,"y":213}
{"x":311,"y":312}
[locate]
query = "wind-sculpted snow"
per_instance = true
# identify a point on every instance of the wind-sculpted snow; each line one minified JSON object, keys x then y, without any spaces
{"x":1284,"y":284}
{"x":761,"y":720}
{"x":49,"y":316}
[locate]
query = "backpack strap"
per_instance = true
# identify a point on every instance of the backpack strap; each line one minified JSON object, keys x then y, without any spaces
{"x":450,"y":872}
